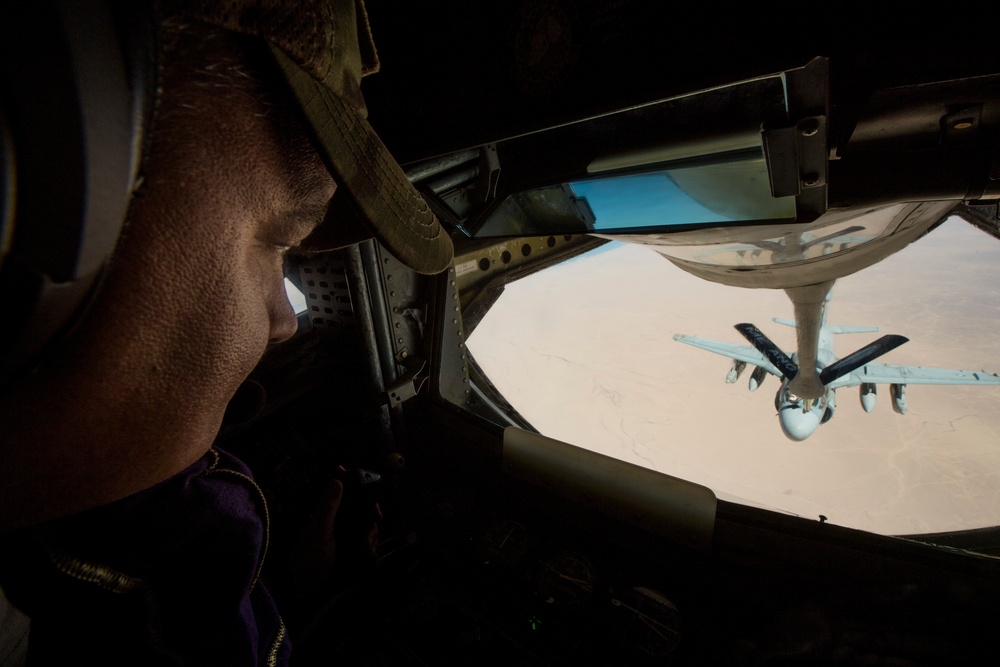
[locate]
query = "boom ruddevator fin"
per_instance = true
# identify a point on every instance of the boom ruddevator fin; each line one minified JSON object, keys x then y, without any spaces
{"x":763,"y":344}
{"x":861,"y":357}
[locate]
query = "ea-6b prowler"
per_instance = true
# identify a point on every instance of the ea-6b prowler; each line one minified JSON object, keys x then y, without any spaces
{"x":811,"y":377}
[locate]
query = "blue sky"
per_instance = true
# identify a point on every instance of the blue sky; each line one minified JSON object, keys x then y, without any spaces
{"x":643,"y":200}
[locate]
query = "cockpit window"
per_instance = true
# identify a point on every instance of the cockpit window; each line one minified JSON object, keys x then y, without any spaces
{"x":585,"y":352}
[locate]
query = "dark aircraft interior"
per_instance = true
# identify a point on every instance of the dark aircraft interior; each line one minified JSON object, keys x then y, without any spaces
{"x":483,"y":564}
{"x":489,"y":555}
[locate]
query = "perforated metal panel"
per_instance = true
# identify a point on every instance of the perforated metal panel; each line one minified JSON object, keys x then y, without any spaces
{"x":326,"y":287}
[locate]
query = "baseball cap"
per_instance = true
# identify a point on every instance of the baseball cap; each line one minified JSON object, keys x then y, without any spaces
{"x":324,"y":48}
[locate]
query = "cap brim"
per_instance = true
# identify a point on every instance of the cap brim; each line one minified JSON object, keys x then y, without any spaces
{"x":341,"y":227}
{"x":365,"y":172}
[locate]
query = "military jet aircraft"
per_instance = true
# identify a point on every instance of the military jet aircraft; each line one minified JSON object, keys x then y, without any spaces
{"x":810,"y":378}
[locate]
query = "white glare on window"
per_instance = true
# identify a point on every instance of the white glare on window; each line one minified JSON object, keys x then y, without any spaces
{"x":295,"y":297}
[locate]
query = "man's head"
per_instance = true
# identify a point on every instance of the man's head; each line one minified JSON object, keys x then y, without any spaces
{"x":258,"y":98}
{"x":192,"y":298}
{"x":74,"y":84}
{"x":236,"y":174}
{"x":232,"y":182}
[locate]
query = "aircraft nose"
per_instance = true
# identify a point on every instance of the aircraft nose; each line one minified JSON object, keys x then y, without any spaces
{"x":795,"y":424}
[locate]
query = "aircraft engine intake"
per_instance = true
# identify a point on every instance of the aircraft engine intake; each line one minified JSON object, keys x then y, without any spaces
{"x":869,"y":395}
{"x":898,"y":393}
{"x":757,"y":378}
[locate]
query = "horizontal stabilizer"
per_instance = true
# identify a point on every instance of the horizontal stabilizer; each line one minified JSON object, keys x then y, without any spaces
{"x":833,"y":328}
{"x":839,"y":329}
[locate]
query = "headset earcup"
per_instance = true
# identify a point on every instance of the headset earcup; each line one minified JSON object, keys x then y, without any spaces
{"x":78,"y":84}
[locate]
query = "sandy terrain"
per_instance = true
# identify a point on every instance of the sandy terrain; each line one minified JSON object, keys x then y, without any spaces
{"x":585,"y":352}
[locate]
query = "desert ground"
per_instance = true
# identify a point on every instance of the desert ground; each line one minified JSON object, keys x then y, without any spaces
{"x":585,"y":352}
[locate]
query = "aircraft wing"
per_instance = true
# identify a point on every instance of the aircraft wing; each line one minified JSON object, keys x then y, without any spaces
{"x":739,"y":352}
{"x":889,"y":374}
